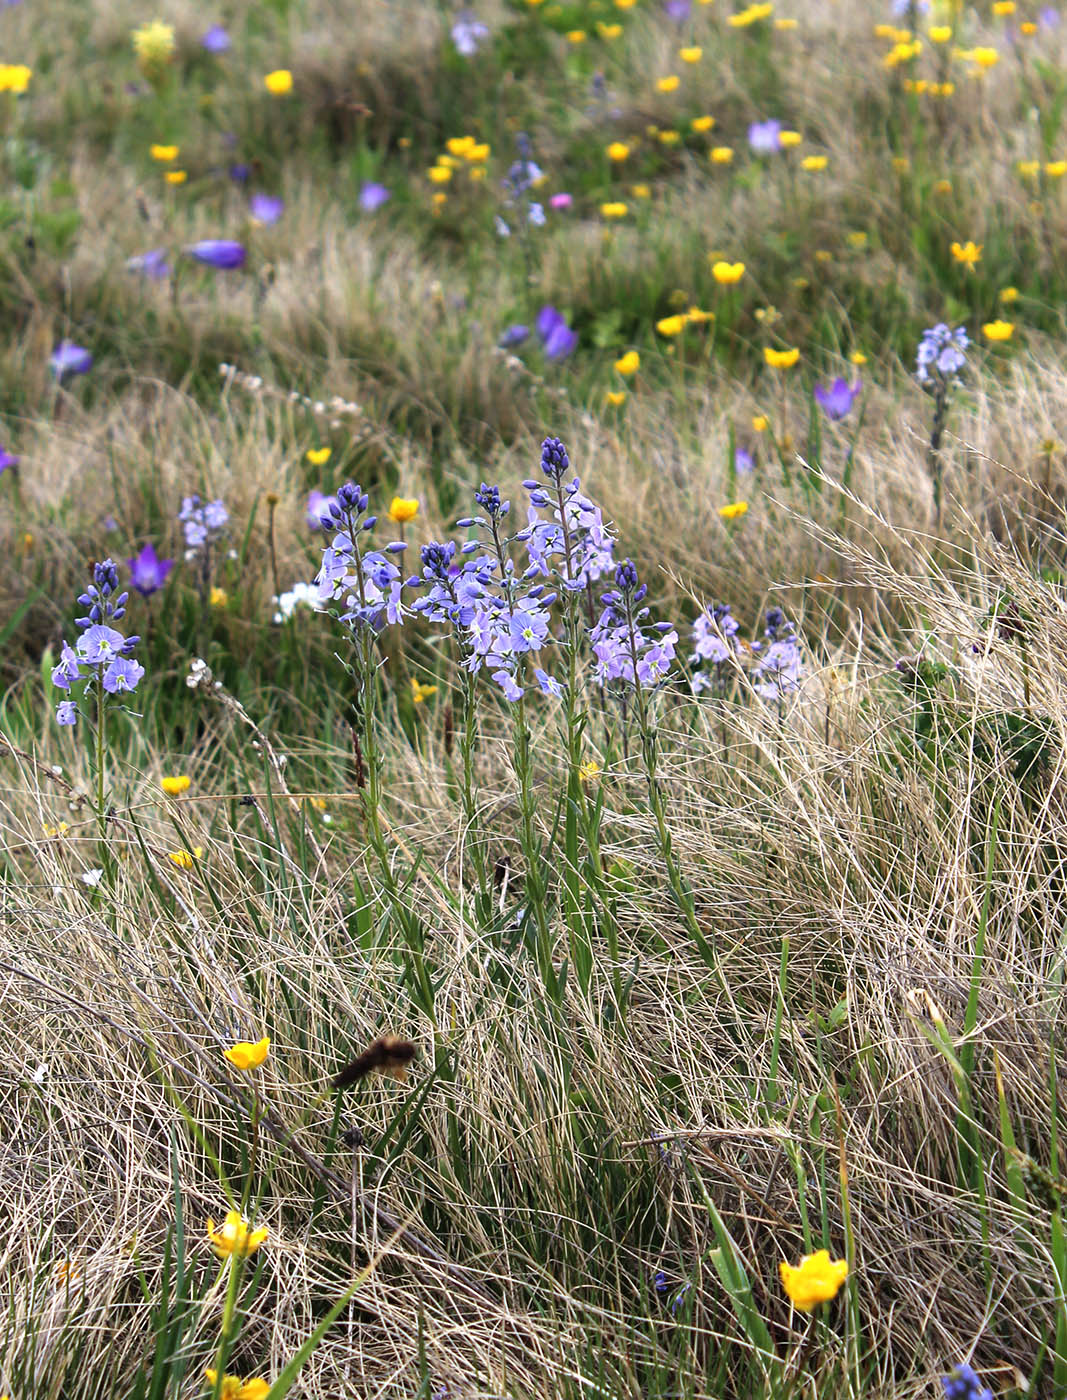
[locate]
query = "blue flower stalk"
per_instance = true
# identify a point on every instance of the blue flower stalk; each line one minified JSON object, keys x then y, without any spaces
{"x":939,"y":360}
{"x":102,"y":663}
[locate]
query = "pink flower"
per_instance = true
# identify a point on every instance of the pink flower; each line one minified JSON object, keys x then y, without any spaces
{"x":561,"y":201}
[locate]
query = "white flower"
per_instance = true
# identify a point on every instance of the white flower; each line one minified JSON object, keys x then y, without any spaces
{"x":91,"y":878}
{"x":301,"y":595}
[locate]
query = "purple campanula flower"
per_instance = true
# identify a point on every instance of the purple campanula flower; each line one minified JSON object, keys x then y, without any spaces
{"x":557,"y":337}
{"x":66,"y":712}
{"x":836,"y":402}
{"x":240,"y":172}
{"x":964,"y":1384}
{"x":514,"y":335}
{"x":743,"y":460}
{"x":765,"y":137}
{"x":7,"y":459}
{"x":678,"y":10}
{"x":266,"y":208}
{"x":68,"y":358}
{"x":372,"y":196}
{"x":318,"y":506}
{"x":122,"y":675}
{"x":152,"y":264}
{"x":148,"y":572}
{"x":215,"y":40}
{"x":221,"y":253}
{"x":1048,"y":17}
{"x":468,"y":34}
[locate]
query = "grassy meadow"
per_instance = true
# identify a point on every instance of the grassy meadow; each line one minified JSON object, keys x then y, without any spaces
{"x":422,"y":978}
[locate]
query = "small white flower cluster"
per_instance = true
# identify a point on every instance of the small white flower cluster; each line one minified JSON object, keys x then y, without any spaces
{"x":301,"y":595}
{"x":335,"y":407}
{"x":200,"y":676}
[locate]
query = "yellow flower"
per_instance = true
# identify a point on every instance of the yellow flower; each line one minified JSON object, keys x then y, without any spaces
{"x":702,"y":123}
{"x":447,"y":163}
{"x":616,"y":397}
{"x":722,"y":155}
{"x":1028,"y":27}
{"x":625,"y":4}
{"x":576,"y":36}
{"x":618,"y":151}
{"x":175,"y":177}
{"x":734,"y":511}
{"x":671,"y":325}
{"x":420,"y":692}
{"x":628,"y":364}
{"x":279,"y":83}
{"x":726,"y":273}
{"x":823,"y":255}
{"x":998,"y":330}
{"x":180,"y":783}
{"x":693,"y":54}
{"x":614,"y":209}
{"x":185,"y":860}
{"x":815,"y":1281}
{"x":1008,"y":295}
{"x":60,"y":830}
{"x":439,"y":199}
{"x":697,"y":317}
{"x":760,"y":423}
{"x":943,"y":187}
{"x":233,"y":1388}
{"x":789,"y":138}
{"x":588,"y":770}
{"x":781,"y":359}
{"x":985,"y":58}
{"x":608,"y":31}
{"x":942,"y":89}
{"x":1028,"y":169}
{"x":858,"y":358}
{"x":1056,"y":169}
{"x":901,"y":164}
{"x":477,"y":172}
{"x":858,"y":238}
{"x":1003,"y":8}
{"x":153,"y":44}
{"x":814,"y":163}
{"x":218,"y":597}
{"x":164,"y":153}
{"x":940,"y":33}
{"x":440,"y":174}
{"x":319,"y":456}
{"x":669,"y":83}
{"x":247,"y":1054}
{"x":14,"y":77}
{"x":233,"y":1237}
{"x":459,"y":145}
{"x":478,"y":153}
{"x":785,"y":24}
{"x":401,"y":510}
{"x":669,"y":138}
{"x":641,"y":191}
{"x":968,"y":253}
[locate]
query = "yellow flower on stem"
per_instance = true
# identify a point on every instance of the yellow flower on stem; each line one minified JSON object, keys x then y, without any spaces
{"x":233,"y":1388}
{"x":234,"y":1238}
{"x":618,"y":151}
{"x":641,"y":191}
{"x":616,"y":397}
{"x":439,"y":174}
{"x":185,"y":860}
{"x":628,"y":364}
{"x":164,"y":154}
{"x":420,"y":692}
{"x":1008,"y":295}
{"x":968,"y":253}
{"x":175,"y":785}
{"x":760,"y":423}
{"x":857,"y":358}
{"x":1056,"y":169}
{"x":319,"y":456}
{"x":608,"y":31}
{"x":816,"y":1280}
{"x":588,"y":770}
{"x":460,"y":145}
{"x":614,"y":209}
{"x":401,"y":510}
{"x":248,"y":1054}
{"x":781,"y":359}
{"x":279,"y":83}
{"x":814,"y":163}
{"x":940,"y":33}
{"x":14,"y":77}
{"x":721,"y":155}
{"x":175,"y":177}
{"x":218,"y":597}
{"x":786,"y":139}
{"x":704,"y":123}
{"x":669,"y":83}
{"x":671,"y":325}
{"x":998,"y":330}
{"x":726,"y":273}
{"x":693,"y":54}
{"x":785,"y":25}
{"x":1028,"y":169}
{"x":734,"y":511}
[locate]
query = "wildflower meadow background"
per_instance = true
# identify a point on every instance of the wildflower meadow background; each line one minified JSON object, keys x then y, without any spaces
{"x":533,"y":590}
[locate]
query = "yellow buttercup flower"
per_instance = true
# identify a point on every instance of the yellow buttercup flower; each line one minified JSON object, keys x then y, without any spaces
{"x":234,"y":1238}
{"x":319,"y":456}
{"x":814,"y":163}
{"x":727,"y":273}
{"x":460,"y":145}
{"x":817,"y":1279}
{"x":588,"y":770}
{"x":985,"y":58}
{"x":176,"y":785}
{"x":693,"y":54}
{"x":628,"y":364}
{"x":233,"y":1388}
{"x":734,"y":511}
{"x":448,"y":162}
{"x":722,"y":155}
{"x":968,"y":253}
{"x":669,"y":83}
{"x":858,"y":358}
{"x":943,"y":187}
{"x":1056,"y":169}
{"x":616,"y":397}
{"x":998,"y":330}
{"x":781,"y":359}
{"x":165,"y":154}
{"x":1008,"y":294}
{"x":760,"y":423}
{"x":60,"y":830}
{"x":614,"y":209}
{"x":671,"y":325}
{"x":14,"y":77}
{"x":401,"y":510}
{"x":696,"y":317}
{"x":1028,"y":169}
{"x":1028,"y":28}
{"x":669,"y":138}
{"x":279,"y":83}
{"x":576,"y":36}
{"x":218,"y":597}
{"x":1003,"y":8}
{"x":608,"y":31}
{"x":440,"y":174}
{"x":785,"y":24}
{"x":420,"y":692}
{"x":248,"y":1054}
{"x":185,"y":860}
{"x":940,"y":33}
{"x":786,"y":139}
{"x":618,"y":151}
{"x":175,"y":177}
{"x":704,"y":123}
{"x":478,"y":154}
{"x":625,"y":4}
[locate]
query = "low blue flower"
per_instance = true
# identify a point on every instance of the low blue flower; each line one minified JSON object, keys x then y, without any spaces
{"x":836,"y":402}
{"x":7,"y":459}
{"x":148,"y":572}
{"x":964,"y":1384}
{"x":223,"y":254}
{"x":67,"y":359}
{"x":372,"y":196}
{"x":266,"y":208}
{"x":151,"y":264}
{"x":765,"y":137}
{"x":514,"y":335}
{"x":122,"y":674}
{"x":215,"y":40}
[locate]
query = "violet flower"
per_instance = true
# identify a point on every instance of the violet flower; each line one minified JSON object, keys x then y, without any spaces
{"x":836,"y":402}
{"x":152,"y":264}
{"x":266,"y":208}
{"x":220,"y":253}
{"x":216,"y":40}
{"x":372,"y":196}
{"x":7,"y":459}
{"x":765,"y":137}
{"x":148,"y":572}
{"x":68,"y":358}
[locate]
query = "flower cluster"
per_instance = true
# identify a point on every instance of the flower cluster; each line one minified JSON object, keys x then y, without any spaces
{"x":574,"y":531}
{"x":202,"y":524}
{"x":367,"y":584}
{"x":101,"y":655}
{"x":964,"y":1384}
{"x":940,"y":357}
{"x":714,"y":639}
{"x":627,"y":646}
{"x":780,"y":666}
